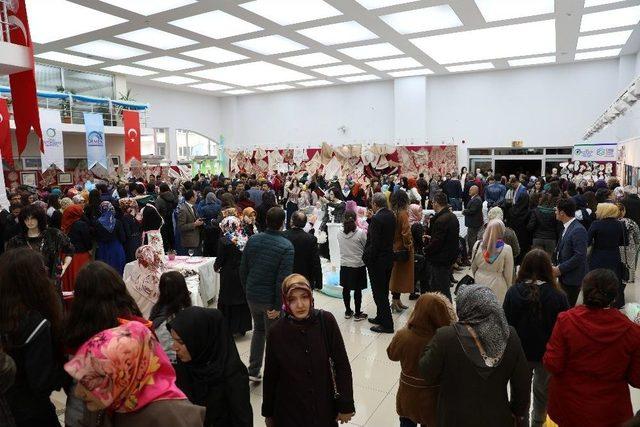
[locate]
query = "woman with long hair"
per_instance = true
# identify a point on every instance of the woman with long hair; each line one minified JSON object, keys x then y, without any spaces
{"x":492,"y":260}
{"x":268,"y":201}
{"x":402,"y":274}
{"x":353,"y":273}
{"x":76,"y":227}
{"x":30,"y":329}
{"x":92,"y":208}
{"x":532,"y":306}
{"x":54,"y":211}
{"x":543,"y":223}
{"x":110,"y":236}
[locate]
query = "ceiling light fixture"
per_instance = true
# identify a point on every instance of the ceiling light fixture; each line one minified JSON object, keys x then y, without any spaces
{"x":470,"y":67}
{"x":275,"y":87}
{"x":210,"y":86}
{"x":252,"y":74}
{"x":411,"y":73}
{"x":314,"y":83}
{"x":532,"y":61}
{"x":156,"y":38}
{"x":362,"y":78}
{"x":214,"y":54}
{"x":132,"y":71}
{"x":216,"y":24}
{"x":591,"y":3}
{"x":377,"y":4}
{"x":310,"y":59}
{"x":500,"y":10}
{"x":606,"y":53}
{"x":627,"y":16}
{"x":287,"y":12}
{"x":343,"y":32}
{"x":419,"y":20}
{"x":168,"y":63}
{"x":107,"y":49}
{"x":68,"y":59}
{"x":270,"y":45}
{"x":339,"y":70}
{"x":394,"y":64}
{"x":371,"y":51}
{"x":175,"y":80}
{"x":618,"y":38}
{"x":239,"y":92}
{"x":148,"y":7}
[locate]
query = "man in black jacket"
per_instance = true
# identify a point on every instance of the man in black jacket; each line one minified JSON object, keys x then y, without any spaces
{"x":453,"y":189}
{"x":306,"y":259}
{"x":378,"y":257}
{"x":473,"y":216}
{"x":441,"y":250}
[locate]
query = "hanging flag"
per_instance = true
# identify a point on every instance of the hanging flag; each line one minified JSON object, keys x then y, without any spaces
{"x":5,"y":133}
{"x":23,"y":84}
{"x":131,"y":121}
{"x":4,"y":200}
{"x":96,"y":149}
{"x":53,"y":154}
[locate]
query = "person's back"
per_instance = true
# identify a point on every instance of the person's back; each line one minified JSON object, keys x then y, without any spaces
{"x":543,"y":223}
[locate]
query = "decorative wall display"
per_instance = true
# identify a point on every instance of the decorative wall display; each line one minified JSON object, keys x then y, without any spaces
{"x":603,"y":152}
{"x":65,"y":179}
{"x":96,"y":144}
{"x":53,"y":154}
{"x":29,"y":178}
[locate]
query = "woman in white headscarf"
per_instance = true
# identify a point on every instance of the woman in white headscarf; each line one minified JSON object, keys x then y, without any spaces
{"x":492,"y":260}
{"x":509,"y":235}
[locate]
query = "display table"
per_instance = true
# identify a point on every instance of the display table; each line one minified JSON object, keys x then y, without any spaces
{"x":334,"y":248}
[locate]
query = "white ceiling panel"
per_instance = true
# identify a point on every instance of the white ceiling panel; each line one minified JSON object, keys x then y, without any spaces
{"x":378,"y":50}
{"x":617,"y":38}
{"x":252,"y":74}
{"x":610,"y":19}
{"x":214,"y":54}
{"x":287,"y":12}
{"x":310,"y":59}
{"x":427,"y":19}
{"x":343,"y":32}
{"x":216,"y":24}
{"x":394,"y":64}
{"x":156,"y":38}
{"x":500,"y":10}
{"x":338,"y":70}
{"x":271,"y":45}
{"x":107,"y":49}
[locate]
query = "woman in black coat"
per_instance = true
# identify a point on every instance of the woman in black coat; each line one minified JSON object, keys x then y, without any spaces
{"x":605,"y":236}
{"x":211,"y":373}
{"x":298,"y":389}
{"x":132,"y":228}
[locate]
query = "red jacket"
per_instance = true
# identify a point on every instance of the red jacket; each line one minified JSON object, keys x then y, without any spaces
{"x":593,"y":356}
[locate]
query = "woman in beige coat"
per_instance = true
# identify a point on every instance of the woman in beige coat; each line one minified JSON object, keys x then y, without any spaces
{"x":402,"y":274}
{"x":492,"y":260}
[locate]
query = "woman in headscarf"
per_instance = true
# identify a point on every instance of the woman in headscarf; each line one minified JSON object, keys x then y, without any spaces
{"x":209,"y":212}
{"x":123,"y":373}
{"x":401,"y":281}
{"x":110,"y":236}
{"x":131,"y":225}
{"x":249,"y":221}
{"x":232,"y":301}
{"x":54,"y":211}
{"x":510,"y":238}
{"x":65,"y":202}
{"x":492,"y":260}
{"x":416,"y":402}
{"x":210,"y":371}
{"x":417,"y":234}
{"x":76,"y":227}
{"x":473,"y":360}
{"x":300,"y":387}
{"x":143,"y":282}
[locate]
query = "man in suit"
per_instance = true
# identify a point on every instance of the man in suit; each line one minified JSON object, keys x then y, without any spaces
{"x":189,"y":224}
{"x":473,"y":216}
{"x":571,"y":252}
{"x":378,"y":257}
{"x":441,"y":250}
{"x":306,"y":259}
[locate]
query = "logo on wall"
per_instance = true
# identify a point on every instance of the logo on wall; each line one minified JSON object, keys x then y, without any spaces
{"x":94,"y":139}
{"x":50,"y":139}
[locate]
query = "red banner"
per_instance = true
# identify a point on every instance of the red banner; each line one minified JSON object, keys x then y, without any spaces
{"x":131,"y":121}
{"x":5,"y":133}
{"x":23,"y":84}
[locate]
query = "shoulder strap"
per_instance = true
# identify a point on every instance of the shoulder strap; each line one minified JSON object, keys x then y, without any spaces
{"x":323,"y":332}
{"x":35,"y":331}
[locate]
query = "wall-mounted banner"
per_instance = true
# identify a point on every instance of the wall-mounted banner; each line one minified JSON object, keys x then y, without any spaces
{"x":603,"y":152}
{"x":5,"y":133}
{"x":53,"y":154}
{"x":131,"y":120}
{"x":96,"y":144}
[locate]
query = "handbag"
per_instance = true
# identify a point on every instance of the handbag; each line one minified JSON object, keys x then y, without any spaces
{"x":401,"y":255}
{"x":332,"y":365}
{"x":467,"y":279}
{"x":624,"y":269}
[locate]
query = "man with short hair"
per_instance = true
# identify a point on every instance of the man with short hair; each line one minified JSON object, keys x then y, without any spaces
{"x":441,"y":250}
{"x":473,"y":218}
{"x":495,"y":192}
{"x":378,"y":257}
{"x":306,"y":259}
{"x":571,"y":252}
{"x":423,"y":189}
{"x":189,"y":224}
{"x":267,"y":260}
{"x":453,"y":189}
{"x":255,"y":193}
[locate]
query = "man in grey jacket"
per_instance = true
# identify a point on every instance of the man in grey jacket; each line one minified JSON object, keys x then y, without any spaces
{"x":189,"y":224}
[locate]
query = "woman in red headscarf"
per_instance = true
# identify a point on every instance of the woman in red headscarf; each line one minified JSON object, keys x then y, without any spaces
{"x":76,"y":226}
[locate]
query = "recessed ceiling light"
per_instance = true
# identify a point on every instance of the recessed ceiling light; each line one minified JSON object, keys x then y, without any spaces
{"x":239,"y":92}
{"x":313,"y":83}
{"x":427,"y":19}
{"x":270,"y":45}
{"x":287,"y":12}
{"x":74,"y":19}
{"x":532,"y":61}
{"x":214,"y":54}
{"x":148,"y":7}
{"x":106,"y":49}
{"x":132,"y":71}
{"x":343,"y":32}
{"x":597,"y":54}
{"x":531,"y":38}
{"x":216,"y":24}
{"x":338,"y":70}
{"x":362,"y":78}
{"x":471,"y":67}
{"x":68,"y":59}
{"x":252,"y":74}
{"x":210,"y":86}
{"x":275,"y":87}
{"x":175,"y":80}
{"x":591,"y":3}
{"x":499,"y":10}
{"x":624,"y":17}
{"x":168,"y":63}
{"x":617,"y":38}
{"x":394,"y":64}
{"x":376,"y":4}
{"x":310,"y":59}
{"x":410,"y":73}
{"x":378,"y":50}
{"x":156,"y":38}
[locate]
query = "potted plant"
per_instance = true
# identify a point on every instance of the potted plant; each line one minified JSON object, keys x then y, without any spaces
{"x":65,"y":105}
{"x":118,"y":108}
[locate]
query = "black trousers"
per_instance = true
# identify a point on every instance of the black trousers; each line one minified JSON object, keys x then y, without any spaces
{"x":572,"y":294}
{"x":440,"y":279}
{"x":380,"y":274}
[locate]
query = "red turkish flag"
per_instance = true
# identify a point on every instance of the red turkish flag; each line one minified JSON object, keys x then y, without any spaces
{"x":131,"y":121}
{"x":23,"y":84}
{"x":5,"y":133}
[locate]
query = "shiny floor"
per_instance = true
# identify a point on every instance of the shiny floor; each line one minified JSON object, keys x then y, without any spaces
{"x":375,"y":377}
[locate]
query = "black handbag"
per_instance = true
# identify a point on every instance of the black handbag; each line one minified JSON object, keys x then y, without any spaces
{"x":467,"y":279}
{"x":401,"y":256}
{"x":332,"y":365}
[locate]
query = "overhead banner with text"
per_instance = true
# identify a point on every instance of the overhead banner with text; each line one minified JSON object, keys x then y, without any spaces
{"x":53,"y":154}
{"x":604,"y":152}
{"x":96,"y":145}
{"x":5,"y":133}
{"x":131,"y":121}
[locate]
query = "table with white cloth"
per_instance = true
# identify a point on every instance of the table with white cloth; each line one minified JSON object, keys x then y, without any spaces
{"x":202,"y":280}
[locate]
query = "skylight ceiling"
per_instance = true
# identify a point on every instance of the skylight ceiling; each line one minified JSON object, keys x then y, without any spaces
{"x":255,"y":46}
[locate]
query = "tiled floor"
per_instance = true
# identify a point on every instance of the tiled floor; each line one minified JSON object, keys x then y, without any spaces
{"x":375,"y":377}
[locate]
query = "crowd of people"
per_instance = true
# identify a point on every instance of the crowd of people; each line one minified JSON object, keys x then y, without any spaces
{"x":549,"y":261}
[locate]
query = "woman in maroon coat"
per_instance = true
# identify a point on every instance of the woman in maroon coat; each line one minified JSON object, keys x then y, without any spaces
{"x":593,"y":356}
{"x":298,"y":389}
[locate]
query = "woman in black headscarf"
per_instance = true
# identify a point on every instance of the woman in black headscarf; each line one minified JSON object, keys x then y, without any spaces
{"x":211,"y":373}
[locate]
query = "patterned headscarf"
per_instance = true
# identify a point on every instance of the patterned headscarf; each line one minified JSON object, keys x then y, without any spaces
{"x":232,"y":231}
{"x":351,"y":206}
{"x":128,"y":205}
{"x":361,"y":219}
{"x":492,"y":240}
{"x":125,"y":368}
{"x":478,"y":307}
{"x":107,"y":216}
{"x":65,"y":202}
{"x":78,"y":199}
{"x":149,"y":258}
{"x":42,"y":205}
{"x":415,"y":214}
{"x":291,"y":283}
{"x":495,"y":213}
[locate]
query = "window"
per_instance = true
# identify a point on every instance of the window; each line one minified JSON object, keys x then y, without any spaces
{"x":480,"y":151}
{"x":147,"y":145}
{"x":559,"y":150}
{"x":191,"y":144}
{"x":90,"y":84}
{"x":518,"y":151}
